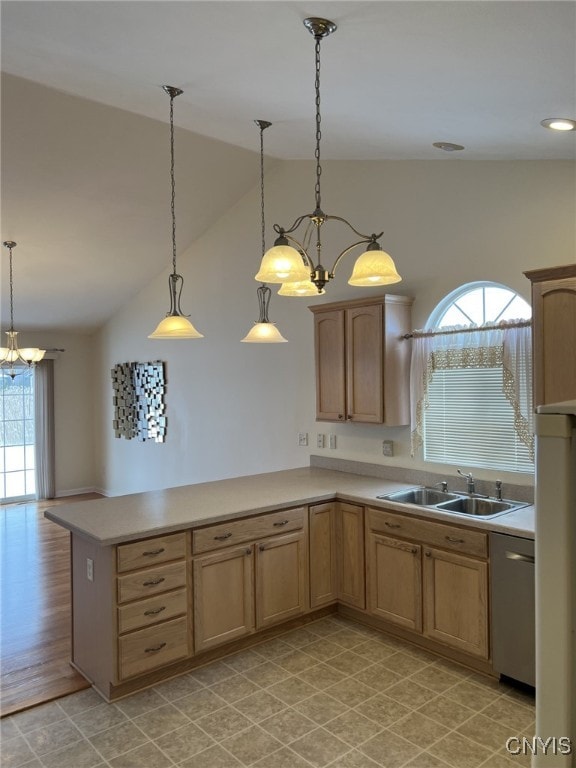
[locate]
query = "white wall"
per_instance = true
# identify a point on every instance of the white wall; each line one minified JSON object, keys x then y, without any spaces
{"x":235,"y":408}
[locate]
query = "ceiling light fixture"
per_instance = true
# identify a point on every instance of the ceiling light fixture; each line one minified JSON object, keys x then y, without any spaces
{"x":11,"y":355}
{"x":559,"y":123}
{"x":289,"y":260}
{"x":175,"y":325}
{"x":263,"y":331}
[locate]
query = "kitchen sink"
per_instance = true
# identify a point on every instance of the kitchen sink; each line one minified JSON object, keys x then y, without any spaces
{"x":472,"y":505}
{"x":456,"y":503}
{"x":427,"y":497}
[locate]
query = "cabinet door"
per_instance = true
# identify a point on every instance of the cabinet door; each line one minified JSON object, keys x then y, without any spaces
{"x":394,"y":581}
{"x":554,"y":304}
{"x":281,"y":579}
{"x":323,"y":558}
{"x":350,"y":547}
{"x":456,"y":601}
{"x":330,"y":366}
{"x":223,"y":596}
{"x":364,"y":349}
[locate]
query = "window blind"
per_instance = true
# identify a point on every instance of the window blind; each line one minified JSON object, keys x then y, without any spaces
{"x":470,"y":420}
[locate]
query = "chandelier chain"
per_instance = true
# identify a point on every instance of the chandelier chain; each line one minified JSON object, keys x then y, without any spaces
{"x":11,"y":292}
{"x":318,"y":120}
{"x":263,"y":225}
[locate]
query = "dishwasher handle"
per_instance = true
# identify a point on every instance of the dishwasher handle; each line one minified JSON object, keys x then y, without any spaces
{"x":520,"y":557}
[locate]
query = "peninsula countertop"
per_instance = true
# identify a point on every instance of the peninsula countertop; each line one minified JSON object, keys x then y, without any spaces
{"x":119,"y":519}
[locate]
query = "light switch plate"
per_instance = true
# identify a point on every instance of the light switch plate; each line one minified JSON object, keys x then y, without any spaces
{"x":388,"y":447}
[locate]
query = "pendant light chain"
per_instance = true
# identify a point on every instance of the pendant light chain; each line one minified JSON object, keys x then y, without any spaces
{"x":173,"y":183}
{"x":318,"y":38}
{"x":262,"y":125}
{"x":11,"y":292}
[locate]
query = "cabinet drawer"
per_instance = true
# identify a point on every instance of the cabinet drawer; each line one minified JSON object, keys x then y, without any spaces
{"x":249,"y":529}
{"x":153,"y":647}
{"x":151,"y":611}
{"x":140,"y":554}
{"x":151,"y":581}
{"x":427,"y":532}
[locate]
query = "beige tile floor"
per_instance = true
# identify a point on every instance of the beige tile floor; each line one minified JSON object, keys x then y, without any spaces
{"x":331,"y":694}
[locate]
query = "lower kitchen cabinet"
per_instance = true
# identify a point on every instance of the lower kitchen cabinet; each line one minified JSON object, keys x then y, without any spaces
{"x":323,"y":554}
{"x":281,"y":579}
{"x":223,"y":596}
{"x":351,"y":570}
{"x":440,"y":591}
{"x":456,"y":601}
{"x":395,"y":581}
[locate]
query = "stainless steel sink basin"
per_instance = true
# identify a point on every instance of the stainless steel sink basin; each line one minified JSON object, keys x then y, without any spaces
{"x":456,"y":503}
{"x":426,"y":497}
{"x":471,"y":505}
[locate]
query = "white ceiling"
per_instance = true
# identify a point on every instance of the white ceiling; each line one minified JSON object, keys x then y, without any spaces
{"x":396,"y":77}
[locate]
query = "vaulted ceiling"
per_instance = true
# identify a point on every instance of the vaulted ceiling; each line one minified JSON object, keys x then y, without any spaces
{"x":84,"y":133}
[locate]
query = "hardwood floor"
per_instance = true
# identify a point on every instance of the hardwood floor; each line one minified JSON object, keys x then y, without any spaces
{"x":35,"y":639}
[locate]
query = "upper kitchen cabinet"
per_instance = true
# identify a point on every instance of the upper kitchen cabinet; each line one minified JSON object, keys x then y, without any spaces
{"x":363,"y":361}
{"x":554,"y":333}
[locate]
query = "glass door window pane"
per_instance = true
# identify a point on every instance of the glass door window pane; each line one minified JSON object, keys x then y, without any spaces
{"x":17,"y":461}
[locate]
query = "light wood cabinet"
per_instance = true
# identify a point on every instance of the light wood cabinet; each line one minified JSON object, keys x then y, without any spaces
{"x":554,"y":333}
{"x":440,"y":593}
{"x":323,"y":555}
{"x":281,"y":579}
{"x":395,"y":579}
{"x":456,"y":601}
{"x":242,"y":587}
{"x":362,"y":360}
{"x":223,"y":596}
{"x":351,"y":578}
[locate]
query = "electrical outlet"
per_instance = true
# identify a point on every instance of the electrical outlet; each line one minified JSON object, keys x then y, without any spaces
{"x":332,"y":441}
{"x":320,"y":441}
{"x":89,"y":569}
{"x":388,"y":447}
{"x":302,"y":438}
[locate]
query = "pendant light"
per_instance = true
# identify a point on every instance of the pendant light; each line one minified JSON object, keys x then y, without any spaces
{"x":263,"y":331}
{"x":175,"y":325}
{"x":289,"y":260}
{"x":11,"y":355}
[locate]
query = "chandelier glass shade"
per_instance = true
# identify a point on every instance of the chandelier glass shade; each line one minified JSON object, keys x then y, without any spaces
{"x":289,"y":260}
{"x":11,"y":356}
{"x":263,"y":331}
{"x":176,"y":324}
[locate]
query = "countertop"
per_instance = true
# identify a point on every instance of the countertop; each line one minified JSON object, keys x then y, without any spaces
{"x":119,"y":519}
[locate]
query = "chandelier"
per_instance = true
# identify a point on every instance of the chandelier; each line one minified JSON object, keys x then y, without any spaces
{"x":289,"y":261}
{"x":176,"y":324}
{"x":12,"y":355}
{"x":263,"y":331}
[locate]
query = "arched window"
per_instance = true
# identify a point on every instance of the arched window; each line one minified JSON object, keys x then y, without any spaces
{"x":471,"y":381}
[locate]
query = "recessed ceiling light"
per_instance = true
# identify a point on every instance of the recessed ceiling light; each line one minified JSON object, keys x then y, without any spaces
{"x":447,"y":146}
{"x":559,"y":123}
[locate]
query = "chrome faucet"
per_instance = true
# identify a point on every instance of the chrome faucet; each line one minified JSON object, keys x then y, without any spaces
{"x":443,"y":485}
{"x":469,"y":480}
{"x":499,"y":489}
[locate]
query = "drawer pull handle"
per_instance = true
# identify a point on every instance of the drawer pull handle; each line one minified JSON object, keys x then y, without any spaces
{"x":153,"y":582}
{"x":392,"y":525}
{"x":155,"y":648}
{"x":454,"y":540}
{"x":154,"y":611}
{"x":281,"y":522}
{"x":223,"y":536}
{"x":152,"y":552}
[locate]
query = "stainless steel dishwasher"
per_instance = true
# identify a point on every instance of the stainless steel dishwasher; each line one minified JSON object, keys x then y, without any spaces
{"x":513,"y":613}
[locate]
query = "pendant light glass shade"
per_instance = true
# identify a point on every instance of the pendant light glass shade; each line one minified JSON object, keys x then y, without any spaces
{"x":176,"y":324}
{"x":300,"y":288}
{"x":374,"y":267}
{"x":175,"y":327}
{"x":264,"y":333}
{"x":281,"y":264}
